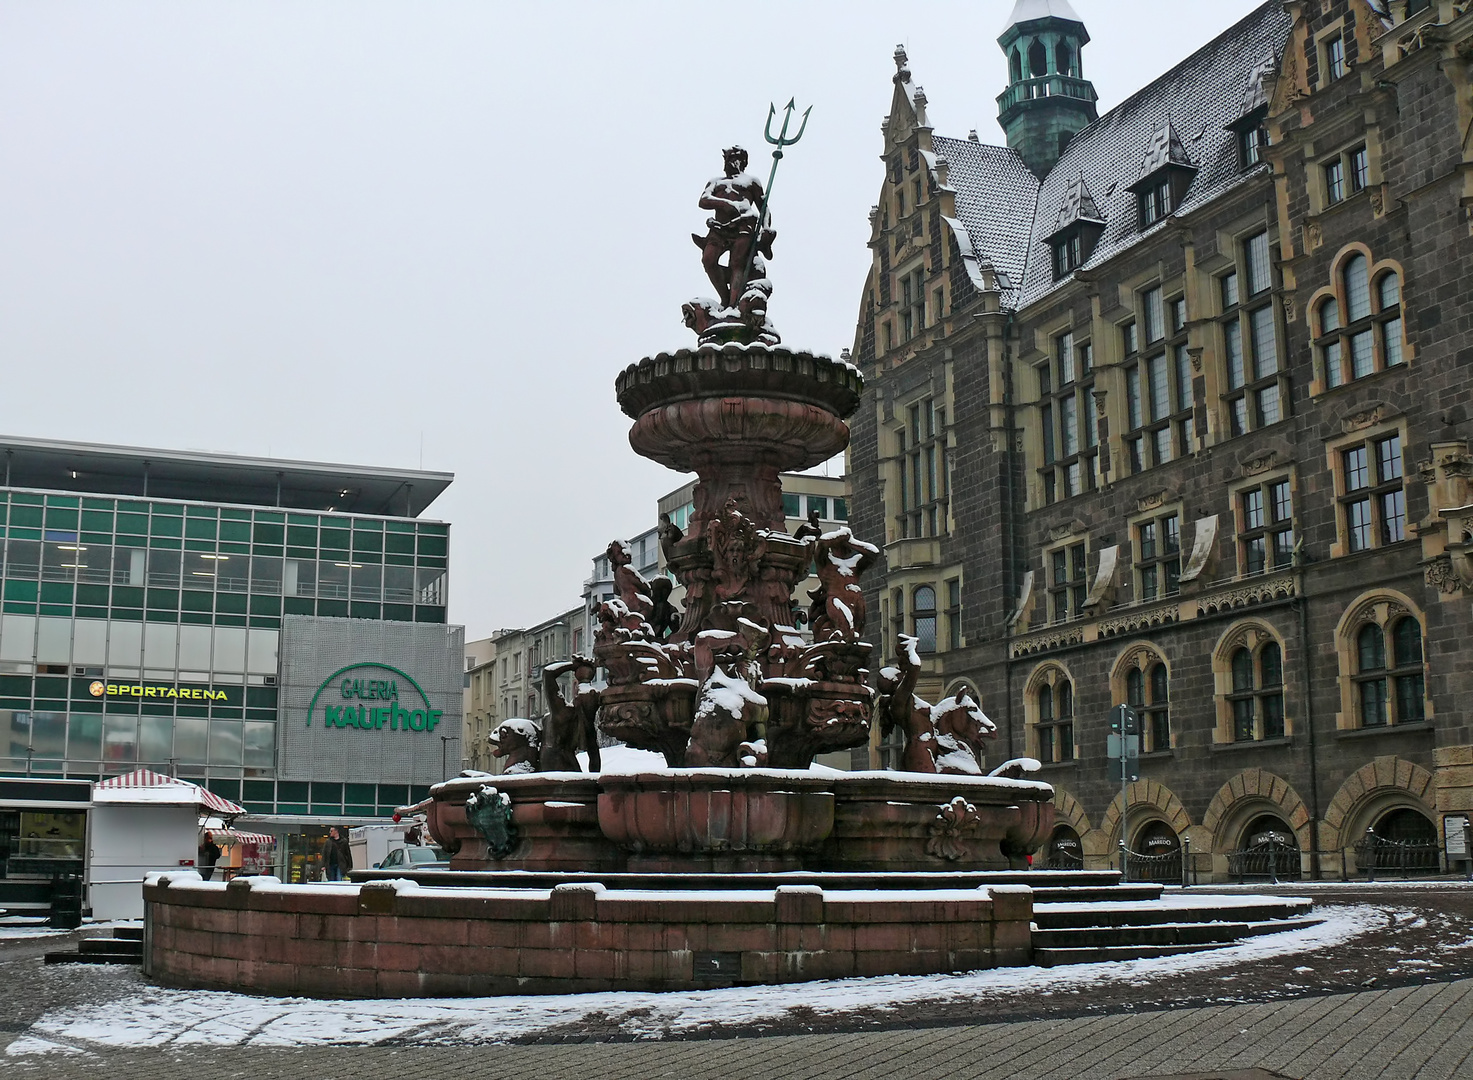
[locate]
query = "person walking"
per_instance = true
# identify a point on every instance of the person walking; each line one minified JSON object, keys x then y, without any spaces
{"x":209,"y":855}
{"x":337,"y":859}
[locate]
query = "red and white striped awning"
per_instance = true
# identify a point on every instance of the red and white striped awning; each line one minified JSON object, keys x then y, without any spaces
{"x":151,"y":787}
{"x":227,"y":837}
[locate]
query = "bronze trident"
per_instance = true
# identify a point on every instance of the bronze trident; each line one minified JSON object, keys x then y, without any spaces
{"x":781,"y":141}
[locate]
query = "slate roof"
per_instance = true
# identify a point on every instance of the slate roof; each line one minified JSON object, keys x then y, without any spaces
{"x":1009,"y":215}
{"x":1078,"y":205}
{"x":995,"y":199}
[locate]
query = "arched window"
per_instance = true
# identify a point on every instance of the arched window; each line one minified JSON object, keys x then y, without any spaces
{"x":1064,"y":59}
{"x":923,"y":609}
{"x":1368,"y":336}
{"x":1258,"y":693}
{"x":1015,"y":65}
{"x":1065,"y":852}
{"x":1037,"y":60}
{"x":1147,"y":692}
{"x":1393,"y":693}
{"x":1056,"y":720}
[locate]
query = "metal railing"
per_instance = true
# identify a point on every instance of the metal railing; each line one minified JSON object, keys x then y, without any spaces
{"x":1271,"y":860}
{"x":1407,"y":857}
{"x":1166,"y":868}
{"x":1062,"y":860}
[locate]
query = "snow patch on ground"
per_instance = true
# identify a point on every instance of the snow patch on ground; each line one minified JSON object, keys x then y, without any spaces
{"x":155,"y":1016}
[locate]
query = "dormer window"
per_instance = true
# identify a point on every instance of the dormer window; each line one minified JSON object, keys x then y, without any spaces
{"x":1068,"y":255}
{"x":1155,"y":202}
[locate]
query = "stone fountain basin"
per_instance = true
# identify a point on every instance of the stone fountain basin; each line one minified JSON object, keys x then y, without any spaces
{"x":715,"y":812}
{"x":704,"y":820}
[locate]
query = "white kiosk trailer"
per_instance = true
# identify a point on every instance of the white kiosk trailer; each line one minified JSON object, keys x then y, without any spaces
{"x":142,"y":822}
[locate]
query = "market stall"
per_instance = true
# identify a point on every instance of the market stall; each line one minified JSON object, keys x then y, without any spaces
{"x":142,"y":822}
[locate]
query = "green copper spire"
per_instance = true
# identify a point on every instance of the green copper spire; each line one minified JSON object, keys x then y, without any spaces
{"x":1048,"y":98}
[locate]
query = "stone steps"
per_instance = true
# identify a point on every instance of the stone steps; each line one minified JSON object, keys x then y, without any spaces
{"x":125,"y":946}
{"x":1195,"y":909}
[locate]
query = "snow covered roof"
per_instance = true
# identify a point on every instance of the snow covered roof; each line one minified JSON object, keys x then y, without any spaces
{"x":1028,"y":10}
{"x":148,"y":788}
{"x":1006,"y":216}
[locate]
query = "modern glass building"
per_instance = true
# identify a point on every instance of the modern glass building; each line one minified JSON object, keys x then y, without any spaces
{"x":147,"y":595}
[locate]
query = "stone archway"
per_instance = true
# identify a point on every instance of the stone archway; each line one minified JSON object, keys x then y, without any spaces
{"x":1147,"y":797}
{"x":1384,"y":784}
{"x":1251,"y":793}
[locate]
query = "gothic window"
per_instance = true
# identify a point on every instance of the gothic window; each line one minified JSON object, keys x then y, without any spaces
{"x":1054,"y":700}
{"x":1067,"y":582}
{"x":1158,"y":557}
{"x":923,"y":616}
{"x":1360,"y":326}
{"x":1372,"y":496}
{"x":924,"y":483}
{"x":1015,"y":65}
{"x":1257,"y":697}
{"x":1254,"y":377}
{"x":1147,"y":692}
{"x":1158,"y":383}
{"x":1389,"y":685}
{"x":1070,"y":429}
{"x":1265,"y":527}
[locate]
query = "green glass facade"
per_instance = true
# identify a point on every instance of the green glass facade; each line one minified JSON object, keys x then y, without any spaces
{"x":191,"y":596}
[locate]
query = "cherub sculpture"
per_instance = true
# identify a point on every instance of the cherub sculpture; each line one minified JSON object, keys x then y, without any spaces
{"x":519,"y":741}
{"x":670,"y":535}
{"x":665,"y":617}
{"x":840,"y":559}
{"x":569,"y":722}
{"x":629,"y":583}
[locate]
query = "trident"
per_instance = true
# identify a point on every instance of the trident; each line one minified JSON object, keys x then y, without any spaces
{"x":781,"y":141}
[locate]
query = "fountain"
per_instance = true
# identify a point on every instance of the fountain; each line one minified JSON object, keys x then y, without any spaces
{"x":737,"y":862}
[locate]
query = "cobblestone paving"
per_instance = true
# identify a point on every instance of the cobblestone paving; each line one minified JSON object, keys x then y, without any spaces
{"x":1420,"y":1027}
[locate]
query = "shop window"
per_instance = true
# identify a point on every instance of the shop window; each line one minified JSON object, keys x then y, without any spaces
{"x":1266,"y":528}
{"x":1068,"y":420}
{"x":1256,"y":384}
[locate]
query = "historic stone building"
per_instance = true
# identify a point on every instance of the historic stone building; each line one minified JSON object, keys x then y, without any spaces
{"x":1170,"y":406}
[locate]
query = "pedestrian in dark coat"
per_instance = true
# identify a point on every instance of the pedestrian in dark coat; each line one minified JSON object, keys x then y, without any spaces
{"x":337,"y":860}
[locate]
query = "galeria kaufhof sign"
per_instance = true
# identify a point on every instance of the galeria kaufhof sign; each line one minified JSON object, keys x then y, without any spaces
{"x":368,"y":697}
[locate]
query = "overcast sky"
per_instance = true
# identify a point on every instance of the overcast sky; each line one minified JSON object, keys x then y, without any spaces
{"x":431,"y":233}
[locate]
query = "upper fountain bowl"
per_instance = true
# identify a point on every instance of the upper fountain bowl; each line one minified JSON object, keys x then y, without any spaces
{"x":739,"y":371}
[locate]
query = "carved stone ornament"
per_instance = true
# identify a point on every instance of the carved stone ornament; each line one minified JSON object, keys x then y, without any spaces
{"x":1136,"y":621}
{"x":1260,"y":464}
{"x":1047,"y":642}
{"x":1378,"y":202}
{"x":1154,"y":501}
{"x":1260,"y":592}
{"x":1441,"y":576}
{"x":489,"y":812}
{"x":957,"y":821}
{"x":1291,"y":309}
{"x":1363,"y":419}
{"x":1196,"y":357}
{"x":1063,"y":532}
{"x":1099,"y":395}
{"x":1314,"y":236}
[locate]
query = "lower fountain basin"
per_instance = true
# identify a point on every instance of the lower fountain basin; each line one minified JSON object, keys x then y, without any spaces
{"x":716,"y":819}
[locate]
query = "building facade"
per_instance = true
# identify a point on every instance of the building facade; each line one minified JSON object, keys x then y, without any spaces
{"x":273,"y":630}
{"x":1168,"y":407}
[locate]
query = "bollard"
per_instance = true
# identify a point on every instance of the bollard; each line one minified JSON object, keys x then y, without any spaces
{"x":1186,"y":859}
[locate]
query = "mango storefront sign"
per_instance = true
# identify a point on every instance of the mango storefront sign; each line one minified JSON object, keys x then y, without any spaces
{"x":372,"y":697}
{"x":156,"y":691}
